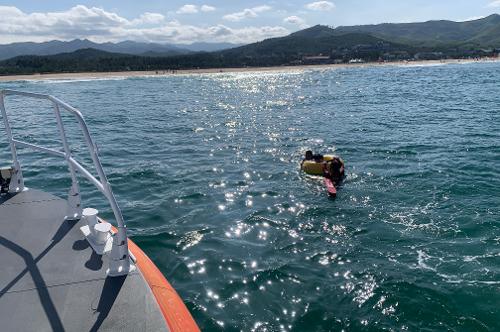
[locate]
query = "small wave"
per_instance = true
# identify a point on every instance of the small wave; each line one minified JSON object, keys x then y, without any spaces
{"x":456,"y":280}
{"x":75,"y":80}
{"x":420,"y":65}
{"x":422,"y":258}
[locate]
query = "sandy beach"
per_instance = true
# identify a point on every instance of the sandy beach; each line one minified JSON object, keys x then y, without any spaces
{"x":159,"y":73}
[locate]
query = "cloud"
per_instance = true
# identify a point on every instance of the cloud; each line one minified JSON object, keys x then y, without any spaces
{"x":235,"y":17}
{"x":246,"y":13}
{"x":193,"y":9}
{"x":473,"y":18}
{"x":260,"y":9}
{"x":77,"y":21}
{"x":494,"y":4}
{"x":99,"y":25}
{"x":148,"y":18}
{"x":187,"y":9}
{"x":321,"y":5}
{"x":183,"y":34}
{"x":207,"y":8}
{"x":295,"y":20}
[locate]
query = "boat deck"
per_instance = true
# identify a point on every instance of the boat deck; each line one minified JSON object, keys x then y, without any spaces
{"x":52,"y":280}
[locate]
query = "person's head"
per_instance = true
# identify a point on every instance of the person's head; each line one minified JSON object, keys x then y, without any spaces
{"x":334,"y":165}
{"x":309,"y":155}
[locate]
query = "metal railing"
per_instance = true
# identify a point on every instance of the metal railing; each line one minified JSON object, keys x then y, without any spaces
{"x":119,"y":258}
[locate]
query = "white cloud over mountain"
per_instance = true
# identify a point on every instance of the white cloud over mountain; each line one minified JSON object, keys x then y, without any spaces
{"x":246,"y":13}
{"x":78,"y":20}
{"x":295,"y":20}
{"x":100,"y":25}
{"x":207,"y":8}
{"x":321,"y":5}
{"x":149,"y":18}
{"x":188,"y":9}
{"x":193,"y":9}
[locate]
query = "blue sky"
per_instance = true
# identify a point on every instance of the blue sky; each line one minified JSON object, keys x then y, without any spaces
{"x":213,"y":21}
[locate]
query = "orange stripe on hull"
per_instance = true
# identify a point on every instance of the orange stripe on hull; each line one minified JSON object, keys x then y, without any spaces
{"x":177,"y":316}
{"x":174,"y":310}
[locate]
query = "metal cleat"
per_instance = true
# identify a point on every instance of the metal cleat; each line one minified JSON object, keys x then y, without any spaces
{"x":98,"y":234}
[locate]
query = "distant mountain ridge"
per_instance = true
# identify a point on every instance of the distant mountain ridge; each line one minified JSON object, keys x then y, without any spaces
{"x":127,"y":47}
{"x":208,"y":47}
{"x":484,"y":32}
{"x":431,"y":40}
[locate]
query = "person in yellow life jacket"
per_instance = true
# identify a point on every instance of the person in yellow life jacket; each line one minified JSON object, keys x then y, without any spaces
{"x":316,"y":157}
{"x":333,"y":166}
{"x":334,"y":170}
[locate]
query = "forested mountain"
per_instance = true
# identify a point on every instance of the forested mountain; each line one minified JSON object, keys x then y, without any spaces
{"x":318,"y":44}
{"x":483,"y":32}
{"x":208,"y":47}
{"x":313,"y":41}
{"x":128,"y":47}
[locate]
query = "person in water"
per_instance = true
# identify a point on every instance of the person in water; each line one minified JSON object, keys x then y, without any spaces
{"x":335,"y":170}
{"x":332,"y":169}
{"x":316,"y":157}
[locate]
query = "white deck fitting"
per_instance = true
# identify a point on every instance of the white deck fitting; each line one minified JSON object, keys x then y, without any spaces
{"x":99,"y":248}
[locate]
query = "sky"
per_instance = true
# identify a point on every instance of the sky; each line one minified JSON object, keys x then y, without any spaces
{"x":188,"y":21}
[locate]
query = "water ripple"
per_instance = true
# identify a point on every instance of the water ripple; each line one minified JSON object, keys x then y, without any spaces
{"x":206,"y":170}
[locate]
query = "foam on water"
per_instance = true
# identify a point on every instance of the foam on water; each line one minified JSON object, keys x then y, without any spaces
{"x":72,"y":80}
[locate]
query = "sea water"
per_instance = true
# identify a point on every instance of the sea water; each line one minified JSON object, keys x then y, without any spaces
{"x":206,"y":170}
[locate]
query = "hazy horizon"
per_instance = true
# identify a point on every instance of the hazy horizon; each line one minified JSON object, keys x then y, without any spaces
{"x":186,"y":22}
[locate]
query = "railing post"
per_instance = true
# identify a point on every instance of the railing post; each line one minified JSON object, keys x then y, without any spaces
{"x":119,"y":260}
{"x":17,"y":181}
{"x":74,"y":200}
{"x":120,"y":257}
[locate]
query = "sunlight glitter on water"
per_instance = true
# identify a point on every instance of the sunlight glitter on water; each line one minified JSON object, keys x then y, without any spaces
{"x":210,"y":186}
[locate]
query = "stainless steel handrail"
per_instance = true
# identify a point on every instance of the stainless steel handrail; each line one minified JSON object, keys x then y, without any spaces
{"x":119,"y":260}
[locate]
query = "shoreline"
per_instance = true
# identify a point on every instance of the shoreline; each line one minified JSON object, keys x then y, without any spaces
{"x":163,"y":73}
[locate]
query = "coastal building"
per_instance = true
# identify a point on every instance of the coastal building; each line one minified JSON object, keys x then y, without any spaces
{"x":316,"y":59}
{"x":429,"y":56}
{"x":356,"y":61}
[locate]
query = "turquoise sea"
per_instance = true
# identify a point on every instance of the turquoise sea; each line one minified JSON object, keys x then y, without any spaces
{"x":206,"y":170}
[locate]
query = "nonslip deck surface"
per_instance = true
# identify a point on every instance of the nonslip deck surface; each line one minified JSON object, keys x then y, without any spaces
{"x":51,"y":280}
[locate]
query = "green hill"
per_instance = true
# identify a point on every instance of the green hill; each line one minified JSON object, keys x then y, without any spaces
{"x":270,"y":52}
{"x":300,"y":44}
{"x":483,"y":32}
{"x":323,"y":44}
{"x":81,"y":60}
{"x":313,"y":41}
